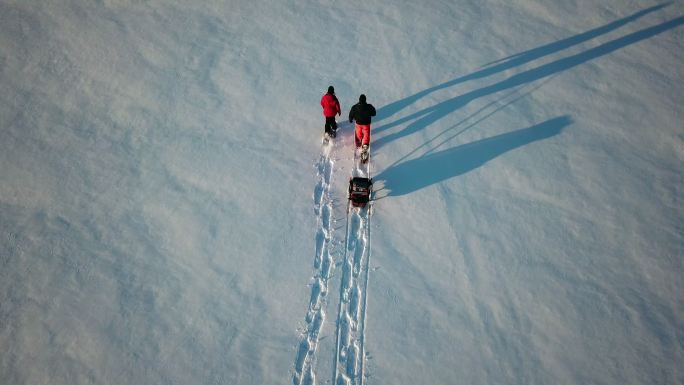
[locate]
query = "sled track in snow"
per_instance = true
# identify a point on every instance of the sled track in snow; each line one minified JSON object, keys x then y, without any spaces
{"x":351,"y":315}
{"x":349,"y":353}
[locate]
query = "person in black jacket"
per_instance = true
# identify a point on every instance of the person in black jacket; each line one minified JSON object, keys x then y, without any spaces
{"x":362,"y":113}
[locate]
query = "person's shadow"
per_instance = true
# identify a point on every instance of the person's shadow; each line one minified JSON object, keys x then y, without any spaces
{"x":427,"y":116}
{"x":404,"y":177}
{"x":412,"y":175}
{"x":517,"y":60}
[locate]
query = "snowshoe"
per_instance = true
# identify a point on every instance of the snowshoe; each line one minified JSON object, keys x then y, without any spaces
{"x":364,"y":153}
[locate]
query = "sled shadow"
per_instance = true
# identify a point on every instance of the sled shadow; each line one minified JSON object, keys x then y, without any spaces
{"x":416,"y":174}
{"x":427,"y":116}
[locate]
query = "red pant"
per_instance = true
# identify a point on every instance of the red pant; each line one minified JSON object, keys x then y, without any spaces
{"x":362,"y":134}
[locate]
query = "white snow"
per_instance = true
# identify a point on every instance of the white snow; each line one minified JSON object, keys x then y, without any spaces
{"x":166,"y":216}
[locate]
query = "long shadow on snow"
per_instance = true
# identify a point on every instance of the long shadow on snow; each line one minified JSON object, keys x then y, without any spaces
{"x":415,"y":174}
{"x":444,"y":108}
{"x":506,"y":64}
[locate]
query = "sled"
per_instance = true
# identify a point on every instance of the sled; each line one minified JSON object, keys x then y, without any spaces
{"x":360,"y":190}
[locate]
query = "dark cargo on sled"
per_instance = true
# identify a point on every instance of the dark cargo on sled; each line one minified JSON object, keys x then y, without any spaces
{"x":360,"y":190}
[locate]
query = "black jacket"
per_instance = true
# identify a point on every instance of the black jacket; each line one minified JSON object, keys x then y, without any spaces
{"x":361,"y":112}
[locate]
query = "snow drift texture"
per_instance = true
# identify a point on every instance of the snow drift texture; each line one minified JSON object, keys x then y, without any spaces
{"x":157,"y":224}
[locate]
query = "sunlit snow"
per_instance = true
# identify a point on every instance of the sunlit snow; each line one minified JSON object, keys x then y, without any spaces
{"x":169,"y":216}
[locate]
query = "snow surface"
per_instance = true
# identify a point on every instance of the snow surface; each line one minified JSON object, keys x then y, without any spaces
{"x":164,"y":198}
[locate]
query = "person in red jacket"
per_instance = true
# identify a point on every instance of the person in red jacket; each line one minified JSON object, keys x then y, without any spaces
{"x":331,"y":106}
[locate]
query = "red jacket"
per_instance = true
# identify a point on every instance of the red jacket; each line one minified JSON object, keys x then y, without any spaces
{"x":331,"y":106}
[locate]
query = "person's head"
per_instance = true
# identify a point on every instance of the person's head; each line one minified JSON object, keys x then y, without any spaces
{"x":362,"y":99}
{"x":331,"y":90}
